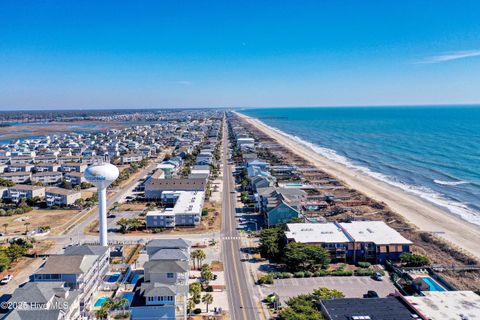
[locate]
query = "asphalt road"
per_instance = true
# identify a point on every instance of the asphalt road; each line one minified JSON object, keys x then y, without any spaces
{"x":239,"y":288}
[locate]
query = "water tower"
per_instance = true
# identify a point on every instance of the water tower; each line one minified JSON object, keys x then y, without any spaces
{"x":101,"y":175}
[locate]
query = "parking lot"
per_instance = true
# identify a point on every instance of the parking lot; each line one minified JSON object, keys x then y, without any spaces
{"x":352,"y":287}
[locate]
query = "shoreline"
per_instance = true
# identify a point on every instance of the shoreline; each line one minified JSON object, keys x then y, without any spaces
{"x":419,"y":212}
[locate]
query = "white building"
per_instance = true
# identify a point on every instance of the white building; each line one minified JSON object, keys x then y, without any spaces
{"x":186,"y":211}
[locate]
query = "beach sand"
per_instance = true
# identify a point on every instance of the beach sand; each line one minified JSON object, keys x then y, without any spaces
{"x":417,"y":211}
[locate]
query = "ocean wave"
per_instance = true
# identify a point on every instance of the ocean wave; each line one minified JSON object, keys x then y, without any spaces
{"x":450,"y":183}
{"x":436,"y":198}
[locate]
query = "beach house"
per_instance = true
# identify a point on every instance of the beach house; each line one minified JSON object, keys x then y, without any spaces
{"x":162,"y":293}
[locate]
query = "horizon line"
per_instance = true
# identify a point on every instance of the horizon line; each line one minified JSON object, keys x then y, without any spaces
{"x":48,"y":109}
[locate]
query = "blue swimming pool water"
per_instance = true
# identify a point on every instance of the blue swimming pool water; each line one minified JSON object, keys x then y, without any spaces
{"x":100,"y":301}
{"x":129,"y":297}
{"x":135,"y":279}
{"x":113,"y":277}
{"x":434,"y":286}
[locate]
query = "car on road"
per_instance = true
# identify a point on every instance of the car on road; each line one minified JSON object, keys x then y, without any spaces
{"x":6,"y":279}
{"x":377,"y":276}
{"x":371,"y":294}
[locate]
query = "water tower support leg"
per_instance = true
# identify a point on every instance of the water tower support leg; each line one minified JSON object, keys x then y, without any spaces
{"x":102,"y":211}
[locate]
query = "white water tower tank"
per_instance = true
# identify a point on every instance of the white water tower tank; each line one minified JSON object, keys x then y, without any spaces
{"x":101,"y":175}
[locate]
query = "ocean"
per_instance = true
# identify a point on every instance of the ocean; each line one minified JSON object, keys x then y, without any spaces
{"x":431,"y":152}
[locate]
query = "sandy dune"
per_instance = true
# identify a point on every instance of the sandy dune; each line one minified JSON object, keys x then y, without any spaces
{"x":419,"y":212}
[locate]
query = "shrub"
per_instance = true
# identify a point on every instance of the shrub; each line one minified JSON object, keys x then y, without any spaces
{"x":321,"y":273}
{"x":341,"y":273}
{"x":266,"y":279}
{"x":308,"y":274}
{"x":364,"y":272}
{"x":299,"y":274}
{"x":286,"y":275}
{"x":364,"y":264}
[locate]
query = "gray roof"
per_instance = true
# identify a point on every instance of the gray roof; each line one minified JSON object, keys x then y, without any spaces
{"x":34,"y":315}
{"x":67,"y":264}
{"x":85,"y":250}
{"x":168,"y":243}
{"x":166,"y":266}
{"x":40,"y":292}
{"x":158,"y":289}
{"x":169,"y":254}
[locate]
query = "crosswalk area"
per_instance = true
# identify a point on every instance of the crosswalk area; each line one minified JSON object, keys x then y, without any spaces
{"x":231,"y":238}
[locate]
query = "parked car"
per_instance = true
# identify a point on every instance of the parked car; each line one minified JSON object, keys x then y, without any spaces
{"x":377,"y":276}
{"x":371,"y":294}
{"x":6,"y":279}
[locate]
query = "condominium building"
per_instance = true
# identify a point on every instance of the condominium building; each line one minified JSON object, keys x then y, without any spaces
{"x":75,"y":178}
{"x":47,"y":177}
{"x":61,"y":197}
{"x":20,"y":191}
{"x":17,"y":177}
{"x":186,"y":210}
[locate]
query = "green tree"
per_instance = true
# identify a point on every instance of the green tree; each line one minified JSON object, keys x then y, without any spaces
{"x":206,"y":274}
{"x":207,"y":299}
{"x":195,"y":290}
{"x":190,"y":305}
{"x":327,"y":294}
{"x":271,"y":242}
{"x":414,"y":260}
{"x":16,"y":251}
{"x":4,"y":259}
{"x":301,"y":307}
{"x":305,"y":256}
{"x":124,"y":224}
{"x":197,"y":256}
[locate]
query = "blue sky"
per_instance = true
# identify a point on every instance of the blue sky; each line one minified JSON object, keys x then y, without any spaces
{"x":81,"y":54}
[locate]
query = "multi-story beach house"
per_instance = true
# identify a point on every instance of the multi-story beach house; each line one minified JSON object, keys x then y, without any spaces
{"x":80,"y":268}
{"x":44,"y":300}
{"x":279,"y":205}
{"x":163,"y":291}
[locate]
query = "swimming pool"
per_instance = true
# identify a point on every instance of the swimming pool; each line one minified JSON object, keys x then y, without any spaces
{"x":100,"y":301}
{"x":113,"y":277}
{"x":135,"y":279}
{"x":432,"y":284}
{"x":129,"y":297}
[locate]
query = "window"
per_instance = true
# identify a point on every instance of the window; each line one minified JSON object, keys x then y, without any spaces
{"x":170,"y":275}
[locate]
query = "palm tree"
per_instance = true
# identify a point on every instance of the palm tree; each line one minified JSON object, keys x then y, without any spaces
{"x":193,"y":256}
{"x":5,"y":225}
{"x":198,"y":256}
{"x":190,"y":305}
{"x":201,"y":256}
{"x":207,"y":299}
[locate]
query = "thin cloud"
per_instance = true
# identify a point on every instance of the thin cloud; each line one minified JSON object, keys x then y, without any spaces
{"x":449,"y":56}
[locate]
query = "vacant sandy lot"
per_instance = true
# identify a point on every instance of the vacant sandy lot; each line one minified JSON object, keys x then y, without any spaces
{"x":36,"y":218}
